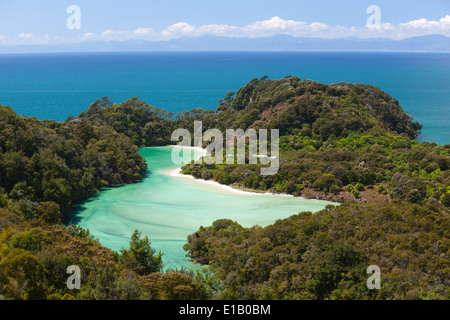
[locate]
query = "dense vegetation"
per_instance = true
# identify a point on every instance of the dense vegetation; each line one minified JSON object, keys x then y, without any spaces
{"x":345,"y":142}
{"x":350,"y":143}
{"x":35,"y":254}
{"x":45,"y":167}
{"x":143,"y":124}
{"x":337,"y":142}
{"x":46,"y":161}
{"x":325,"y":255}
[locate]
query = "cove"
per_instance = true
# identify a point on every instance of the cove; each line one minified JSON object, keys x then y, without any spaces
{"x":168,"y":207}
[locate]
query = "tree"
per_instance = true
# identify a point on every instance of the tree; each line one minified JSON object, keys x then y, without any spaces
{"x":229,"y":96}
{"x":140,"y":257}
{"x":445,"y":199}
{"x":24,"y":275}
{"x":175,"y":286}
{"x":335,"y":189}
{"x":50,"y":212}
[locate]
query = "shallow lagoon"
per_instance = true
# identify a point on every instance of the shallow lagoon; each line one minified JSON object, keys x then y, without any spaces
{"x":167,"y":208}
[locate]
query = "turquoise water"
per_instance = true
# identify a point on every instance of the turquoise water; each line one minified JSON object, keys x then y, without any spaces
{"x":168,"y":208}
{"x":56,"y":86}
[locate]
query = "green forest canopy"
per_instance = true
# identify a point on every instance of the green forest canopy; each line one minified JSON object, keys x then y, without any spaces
{"x":350,"y":143}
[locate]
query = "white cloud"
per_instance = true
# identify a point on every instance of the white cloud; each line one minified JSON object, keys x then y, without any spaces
{"x":143,"y":31}
{"x":277,"y":25}
{"x":88,"y":36}
{"x":421,"y":27}
{"x":318,"y":26}
{"x":25,"y":35}
{"x":27,"y":39}
{"x":218,"y":30}
{"x":424,"y":26}
{"x":185,"y":29}
{"x":264,"y":28}
{"x":443,"y":24}
{"x":179,"y":29}
{"x":258,"y":29}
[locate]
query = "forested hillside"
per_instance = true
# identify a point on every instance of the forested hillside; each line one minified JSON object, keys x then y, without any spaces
{"x":142,"y":123}
{"x":35,"y":254}
{"x":45,"y":168}
{"x":46,"y":161}
{"x":325,"y":255}
{"x":338,"y":142}
{"x":350,"y":143}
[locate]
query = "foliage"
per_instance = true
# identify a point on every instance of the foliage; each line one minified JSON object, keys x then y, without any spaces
{"x":46,"y":166}
{"x":325,"y":255}
{"x":34,"y":256}
{"x":344,"y":142}
{"x":140,"y":257}
{"x":143,"y":124}
{"x":330,"y":136}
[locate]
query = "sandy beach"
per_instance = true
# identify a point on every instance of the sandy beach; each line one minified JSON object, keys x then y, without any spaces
{"x":201,"y":150}
{"x":177,"y":173}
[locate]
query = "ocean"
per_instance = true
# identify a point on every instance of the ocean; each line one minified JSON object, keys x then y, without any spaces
{"x":57,"y":86}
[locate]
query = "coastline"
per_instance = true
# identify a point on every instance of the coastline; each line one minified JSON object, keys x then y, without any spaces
{"x":177,"y":173}
{"x":308,"y":194}
{"x":201,"y":150}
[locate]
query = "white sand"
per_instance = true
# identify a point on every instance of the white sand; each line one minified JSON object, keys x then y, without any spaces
{"x":177,"y":173}
{"x":201,"y":150}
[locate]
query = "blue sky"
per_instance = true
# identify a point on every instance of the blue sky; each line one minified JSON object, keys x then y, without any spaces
{"x":29,"y":22}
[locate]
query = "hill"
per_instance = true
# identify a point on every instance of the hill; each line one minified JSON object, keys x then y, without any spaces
{"x":350,"y":143}
{"x":47,"y":161}
{"x":338,"y":142}
{"x":325,"y":255}
{"x":427,"y":43}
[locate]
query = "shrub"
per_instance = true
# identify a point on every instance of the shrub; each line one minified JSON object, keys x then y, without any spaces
{"x":335,"y":189}
{"x":445,"y":199}
{"x":382,"y":190}
{"x":325,"y":181}
{"x":207,"y":174}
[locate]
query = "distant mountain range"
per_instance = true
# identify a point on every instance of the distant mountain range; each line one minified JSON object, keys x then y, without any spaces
{"x":428,"y":43}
